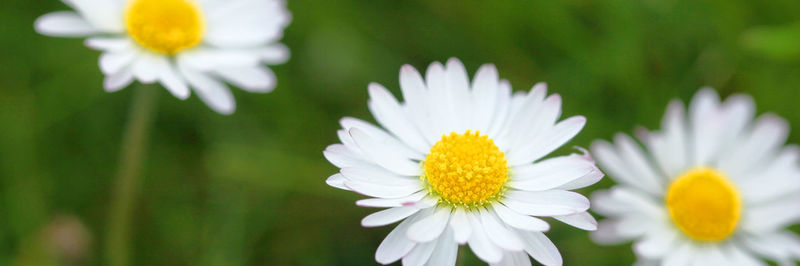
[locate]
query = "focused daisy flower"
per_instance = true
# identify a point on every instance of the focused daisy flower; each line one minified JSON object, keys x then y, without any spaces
{"x":180,"y":43}
{"x":461,"y":163}
{"x":715,"y":188}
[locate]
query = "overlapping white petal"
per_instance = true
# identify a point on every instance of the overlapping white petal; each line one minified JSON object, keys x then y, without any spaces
{"x":384,"y":163}
{"x":240,"y":38}
{"x":714,"y":133}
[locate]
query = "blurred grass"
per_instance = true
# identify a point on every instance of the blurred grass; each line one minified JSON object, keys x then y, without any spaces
{"x":249,"y":188}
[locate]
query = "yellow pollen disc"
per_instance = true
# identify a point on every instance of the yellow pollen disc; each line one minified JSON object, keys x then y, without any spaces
{"x":704,"y":204}
{"x":466,"y":169}
{"x":165,"y":26}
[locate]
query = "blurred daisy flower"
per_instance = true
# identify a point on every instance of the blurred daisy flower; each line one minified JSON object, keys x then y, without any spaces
{"x":715,"y":189}
{"x":180,"y":43}
{"x":460,"y":163}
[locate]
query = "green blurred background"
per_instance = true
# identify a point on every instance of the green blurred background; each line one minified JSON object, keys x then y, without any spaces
{"x":248,"y":189}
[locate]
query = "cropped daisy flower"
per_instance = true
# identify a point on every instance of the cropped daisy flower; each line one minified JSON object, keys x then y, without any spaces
{"x":460,"y":163}
{"x":180,"y":43}
{"x":716,"y":188}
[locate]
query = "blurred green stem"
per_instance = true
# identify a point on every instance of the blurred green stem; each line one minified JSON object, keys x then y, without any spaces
{"x":126,"y":187}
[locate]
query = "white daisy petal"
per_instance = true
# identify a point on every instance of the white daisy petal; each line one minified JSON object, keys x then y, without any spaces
{"x":257,"y":79}
{"x":379,"y":154}
{"x":429,"y":228}
{"x":414,"y":93}
{"x":582,"y":220}
{"x":382,"y":136}
{"x":705,"y":124}
{"x":388,"y":216}
{"x":480,"y":244}
{"x":396,"y":245}
{"x":246,"y":23}
{"x":168,"y":77}
{"x":517,"y":220}
{"x":109,"y":44}
{"x":409,"y":200}
{"x":680,"y":256}
{"x":340,"y":156}
{"x":420,"y":254}
{"x":113,"y":62}
{"x":657,"y":243}
{"x":214,"y":93}
{"x":740,"y":256}
{"x":64,"y":24}
{"x":337,"y":181}
{"x":513,"y":259}
{"x":446,"y":250}
{"x":462,"y":229}
{"x":766,"y":136}
{"x":119,"y":80}
{"x":484,"y":95}
{"x":546,"y":203}
{"x":379,"y":190}
{"x":550,"y":173}
{"x":390,"y":114}
{"x":378,"y":176}
{"x":613,"y":163}
{"x":541,"y":248}
{"x":498,"y":233}
{"x":102,"y":14}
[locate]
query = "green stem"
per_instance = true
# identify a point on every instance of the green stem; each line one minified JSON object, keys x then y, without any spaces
{"x":126,"y":187}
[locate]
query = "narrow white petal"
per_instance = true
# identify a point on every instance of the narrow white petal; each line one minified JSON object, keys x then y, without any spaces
{"x":549,"y":141}
{"x":546,"y":203}
{"x":484,"y":96}
{"x":389,"y":113}
{"x":541,"y":248}
{"x":582,"y":220}
{"x":657,"y":243}
{"x":64,"y":24}
{"x":387,"y":216}
{"x":518,"y":220}
{"x":382,"y":156}
{"x":415,"y":95}
{"x":420,"y":254}
{"x":396,"y":245}
{"x":337,"y":181}
{"x":498,"y":233}
{"x":168,"y":76}
{"x":378,"y":176}
{"x":102,"y":14}
{"x":119,"y":80}
{"x":341,"y":156}
{"x":679,"y":257}
{"x":429,"y":228}
{"x":257,"y":79}
{"x":213,"y":92}
{"x":381,"y":191}
{"x":550,"y":173}
{"x":446,"y":251}
{"x":245,"y":23}
{"x":109,"y":44}
{"x":480,"y":244}
{"x":618,"y":169}
{"x":409,"y":200}
{"x":740,"y":256}
{"x":462,"y":229}
{"x":514,"y":259}
{"x":705,"y":125}
{"x":382,"y":136}
{"x":113,"y":62}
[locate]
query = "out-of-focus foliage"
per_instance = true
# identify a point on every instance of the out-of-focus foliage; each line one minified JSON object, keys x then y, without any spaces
{"x":249,"y":188}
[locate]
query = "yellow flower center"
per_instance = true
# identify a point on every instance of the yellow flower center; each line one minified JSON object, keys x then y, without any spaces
{"x":704,"y":204}
{"x":465,"y":169}
{"x":165,"y":26}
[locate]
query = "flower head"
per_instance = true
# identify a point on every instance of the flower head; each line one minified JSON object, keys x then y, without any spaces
{"x":180,"y":43}
{"x":462,"y":163}
{"x":714,"y":189}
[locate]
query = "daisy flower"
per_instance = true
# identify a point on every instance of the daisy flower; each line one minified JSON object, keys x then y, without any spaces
{"x":461,"y":163}
{"x":716,"y":188}
{"x":180,"y":43}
